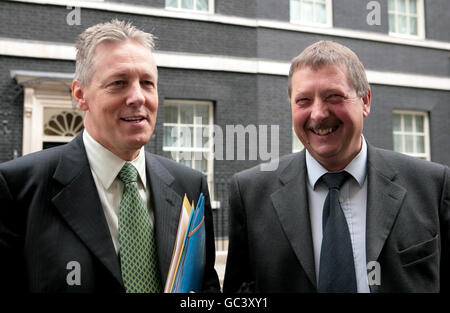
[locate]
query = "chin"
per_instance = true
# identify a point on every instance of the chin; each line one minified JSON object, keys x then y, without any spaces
{"x":136,"y":142}
{"x":325,"y":151}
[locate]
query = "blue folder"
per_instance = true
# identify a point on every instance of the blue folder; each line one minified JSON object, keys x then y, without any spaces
{"x":190,"y":271}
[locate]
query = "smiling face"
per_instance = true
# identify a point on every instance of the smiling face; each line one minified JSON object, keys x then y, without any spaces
{"x":121,"y":100}
{"x":328,"y":115}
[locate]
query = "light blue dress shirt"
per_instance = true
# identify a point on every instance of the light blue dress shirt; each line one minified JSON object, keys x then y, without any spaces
{"x":353,"y":199}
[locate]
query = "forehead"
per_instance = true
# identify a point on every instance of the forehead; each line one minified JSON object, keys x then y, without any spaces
{"x":325,"y":76}
{"x":111,"y":56}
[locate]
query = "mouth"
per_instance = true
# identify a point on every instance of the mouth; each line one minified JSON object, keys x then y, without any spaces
{"x":132,"y":119}
{"x":324,"y":131}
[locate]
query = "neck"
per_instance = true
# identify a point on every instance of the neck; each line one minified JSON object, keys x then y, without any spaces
{"x":124,"y":154}
{"x":337,"y":164}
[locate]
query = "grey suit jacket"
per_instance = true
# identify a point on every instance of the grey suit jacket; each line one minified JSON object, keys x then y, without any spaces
{"x":51,"y":215}
{"x":407,"y":227}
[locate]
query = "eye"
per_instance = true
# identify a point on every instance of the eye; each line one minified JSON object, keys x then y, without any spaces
{"x":148,"y":83}
{"x":302,"y":101}
{"x":117,"y":83}
{"x":334,"y":98}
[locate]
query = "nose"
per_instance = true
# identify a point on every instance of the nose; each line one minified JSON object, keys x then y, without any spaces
{"x":135,"y":94}
{"x":319,"y":110}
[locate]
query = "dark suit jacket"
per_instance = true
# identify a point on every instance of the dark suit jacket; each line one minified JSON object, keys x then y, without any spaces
{"x":407,"y":230}
{"x":51,"y":215}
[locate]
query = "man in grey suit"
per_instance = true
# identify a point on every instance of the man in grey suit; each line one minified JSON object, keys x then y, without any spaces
{"x":100,"y":214}
{"x":385,"y":227}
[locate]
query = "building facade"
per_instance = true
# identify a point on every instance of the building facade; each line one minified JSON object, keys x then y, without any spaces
{"x":223,"y":66}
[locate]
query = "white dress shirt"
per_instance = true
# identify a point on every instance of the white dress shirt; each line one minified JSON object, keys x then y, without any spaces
{"x":105,"y":166}
{"x":353,"y":199}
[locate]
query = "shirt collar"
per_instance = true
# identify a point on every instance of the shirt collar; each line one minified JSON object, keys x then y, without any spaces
{"x":106,"y":165}
{"x":357,"y":167}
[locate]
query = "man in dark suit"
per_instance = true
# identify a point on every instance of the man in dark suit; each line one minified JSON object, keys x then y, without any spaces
{"x":385,"y":227}
{"x":64,"y":223}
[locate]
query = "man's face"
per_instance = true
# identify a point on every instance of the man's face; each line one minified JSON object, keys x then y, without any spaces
{"x":328,"y":115}
{"x":121,"y":100}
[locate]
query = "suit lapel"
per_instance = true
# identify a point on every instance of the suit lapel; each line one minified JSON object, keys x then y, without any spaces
{"x":384,"y":198}
{"x":167,"y":205}
{"x":291,"y":204}
{"x":79,"y":204}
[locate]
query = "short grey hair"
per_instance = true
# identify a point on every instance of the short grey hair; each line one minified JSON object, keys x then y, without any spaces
{"x":88,"y":40}
{"x":327,"y":52}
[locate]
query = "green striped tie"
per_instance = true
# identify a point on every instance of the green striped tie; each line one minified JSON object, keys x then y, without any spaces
{"x":138,"y":255}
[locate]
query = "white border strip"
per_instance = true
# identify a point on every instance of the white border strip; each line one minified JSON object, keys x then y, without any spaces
{"x":241,"y":21}
{"x":43,"y":50}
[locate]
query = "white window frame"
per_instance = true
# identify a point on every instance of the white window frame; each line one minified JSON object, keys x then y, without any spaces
{"x":179,"y":8}
{"x":208,"y":150}
{"x":329,"y":16}
{"x":420,"y":22}
{"x":294,"y":140}
{"x":426,"y":132}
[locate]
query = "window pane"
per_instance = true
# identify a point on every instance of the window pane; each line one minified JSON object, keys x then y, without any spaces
{"x":401,"y":24}
{"x":413,"y":6}
{"x":320,"y":14}
{"x":419,"y":123}
{"x":392,"y":23}
{"x":170,"y":113}
{"x":171,"y":3}
{"x":409,"y":143}
{"x":397,"y":123}
{"x":187,"y":4}
{"x":186,"y":113}
{"x":391,"y":5}
{"x":202,"y":5}
{"x":170,"y":136}
{"x":295,"y":10}
{"x":296,"y":143}
{"x":201,"y":165}
{"x":408,"y":122}
{"x":186,"y":137}
{"x":170,"y":155}
{"x":413,"y":25}
{"x":202,"y":111}
{"x":306,"y":11}
{"x":186,"y":160}
{"x":198,"y":135}
{"x":398,"y":143}
{"x":207,"y":138}
{"x":401,"y":6}
{"x":420,"y":144}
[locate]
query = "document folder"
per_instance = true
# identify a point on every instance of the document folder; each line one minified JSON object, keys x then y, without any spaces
{"x":188,"y":260}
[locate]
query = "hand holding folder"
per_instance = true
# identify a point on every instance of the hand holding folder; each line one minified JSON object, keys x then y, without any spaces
{"x":188,"y":259}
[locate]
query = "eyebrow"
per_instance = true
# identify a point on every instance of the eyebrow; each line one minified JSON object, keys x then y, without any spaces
{"x":333,"y":90}
{"x":126,"y":75}
{"x":322,"y":92}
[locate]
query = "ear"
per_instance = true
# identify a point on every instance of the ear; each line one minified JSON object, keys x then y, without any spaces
{"x":79,"y":95}
{"x":366,"y":103}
